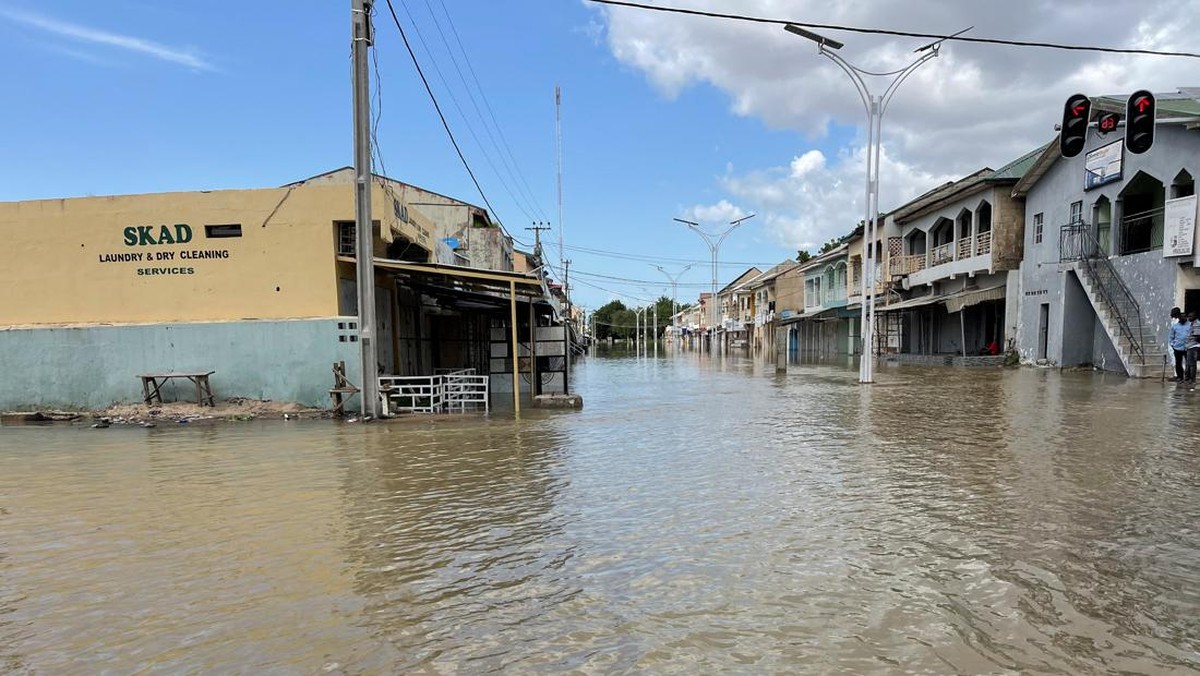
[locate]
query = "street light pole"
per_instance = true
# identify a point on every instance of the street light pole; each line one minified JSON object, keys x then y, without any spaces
{"x":674,"y":289}
{"x":714,"y":247}
{"x":875,"y":107}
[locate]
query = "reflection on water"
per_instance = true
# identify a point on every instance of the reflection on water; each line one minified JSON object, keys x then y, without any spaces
{"x":700,"y":515}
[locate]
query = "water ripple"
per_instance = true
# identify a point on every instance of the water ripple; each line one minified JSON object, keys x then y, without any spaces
{"x":700,"y":515}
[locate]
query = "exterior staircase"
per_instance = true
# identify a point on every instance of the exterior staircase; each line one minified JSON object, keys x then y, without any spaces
{"x":1115,"y":305}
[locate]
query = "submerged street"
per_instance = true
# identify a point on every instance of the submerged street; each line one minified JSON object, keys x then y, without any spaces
{"x":699,"y":515}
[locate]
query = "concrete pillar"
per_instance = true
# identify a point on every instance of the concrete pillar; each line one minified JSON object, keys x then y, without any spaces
{"x":781,"y":349}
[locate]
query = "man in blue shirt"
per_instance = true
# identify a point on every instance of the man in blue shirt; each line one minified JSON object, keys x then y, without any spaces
{"x":1177,"y":338}
{"x":1193,"y":346}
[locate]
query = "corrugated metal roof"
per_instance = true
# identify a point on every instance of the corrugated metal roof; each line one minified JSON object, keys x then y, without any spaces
{"x":947,"y":191}
{"x":1015,"y":170}
{"x":1169,"y":104}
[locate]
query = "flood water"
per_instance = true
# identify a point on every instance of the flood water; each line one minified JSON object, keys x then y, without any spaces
{"x":698,"y":516}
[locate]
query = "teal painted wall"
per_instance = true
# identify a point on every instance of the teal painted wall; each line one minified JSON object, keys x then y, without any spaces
{"x":95,"y":366}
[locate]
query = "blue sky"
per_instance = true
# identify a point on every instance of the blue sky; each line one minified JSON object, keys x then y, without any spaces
{"x":662,"y":117}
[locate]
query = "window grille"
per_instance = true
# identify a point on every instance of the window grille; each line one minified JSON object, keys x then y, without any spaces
{"x":346,"y":244}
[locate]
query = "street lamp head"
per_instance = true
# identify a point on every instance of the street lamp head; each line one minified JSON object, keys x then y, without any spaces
{"x":743,"y":218}
{"x":809,"y":35}
{"x":687,"y":222}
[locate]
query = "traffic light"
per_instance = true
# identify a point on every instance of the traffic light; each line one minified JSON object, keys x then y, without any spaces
{"x":1139,"y":122}
{"x":1076,"y":114}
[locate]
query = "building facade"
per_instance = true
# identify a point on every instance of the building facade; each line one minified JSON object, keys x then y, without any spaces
{"x":1110,"y":246}
{"x":256,"y":285}
{"x":955,"y":291}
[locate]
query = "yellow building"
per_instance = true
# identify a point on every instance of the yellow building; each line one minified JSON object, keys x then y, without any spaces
{"x":256,"y":285}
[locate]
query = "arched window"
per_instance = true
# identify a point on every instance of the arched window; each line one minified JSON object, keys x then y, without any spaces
{"x":1183,"y":185}
{"x":1142,"y":214}
{"x":983,"y":228}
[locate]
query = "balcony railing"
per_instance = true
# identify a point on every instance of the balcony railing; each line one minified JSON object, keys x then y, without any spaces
{"x":964,"y":246}
{"x":983,"y":243}
{"x":941,"y":254}
{"x":905,"y":265}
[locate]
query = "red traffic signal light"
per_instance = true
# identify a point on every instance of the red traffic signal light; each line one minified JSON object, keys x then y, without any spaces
{"x":1073,"y":136}
{"x":1139,"y":121}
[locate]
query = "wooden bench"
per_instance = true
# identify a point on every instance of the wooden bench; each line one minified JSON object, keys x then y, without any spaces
{"x":152,"y":384}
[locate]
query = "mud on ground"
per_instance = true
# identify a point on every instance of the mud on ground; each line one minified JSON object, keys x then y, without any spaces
{"x":134,"y":414}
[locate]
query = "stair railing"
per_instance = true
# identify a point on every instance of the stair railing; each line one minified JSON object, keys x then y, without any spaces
{"x":1076,"y":243}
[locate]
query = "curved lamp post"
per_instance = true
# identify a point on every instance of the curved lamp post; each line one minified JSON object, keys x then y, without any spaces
{"x":674,"y":288}
{"x":714,"y":247}
{"x":875,"y":106}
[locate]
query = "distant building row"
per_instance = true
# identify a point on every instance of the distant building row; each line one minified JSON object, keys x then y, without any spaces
{"x":1055,"y":261}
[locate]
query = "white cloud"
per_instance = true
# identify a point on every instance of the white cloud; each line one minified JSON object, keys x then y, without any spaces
{"x":808,"y":203}
{"x":973,"y":106}
{"x":94,"y":36}
{"x":722,"y":212}
{"x":813,"y":160}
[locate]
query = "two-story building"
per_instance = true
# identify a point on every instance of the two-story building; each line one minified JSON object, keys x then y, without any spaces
{"x":826,"y":328}
{"x":1110,"y":244}
{"x":955,"y":289}
{"x":768,"y":303}
{"x":736,"y":308}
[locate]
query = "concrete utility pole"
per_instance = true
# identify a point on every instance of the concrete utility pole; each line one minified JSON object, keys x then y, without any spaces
{"x":714,"y":247}
{"x":362,"y":37}
{"x":875,"y":106}
{"x":537,"y":240}
{"x":568,"y":322}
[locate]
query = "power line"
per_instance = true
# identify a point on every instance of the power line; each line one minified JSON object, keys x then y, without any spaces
{"x":640,"y":282}
{"x":615,"y":293}
{"x":658,"y":259}
{"x":442,"y":117}
{"x":516,"y":167}
{"x":883,"y":31}
{"x":457,"y":106}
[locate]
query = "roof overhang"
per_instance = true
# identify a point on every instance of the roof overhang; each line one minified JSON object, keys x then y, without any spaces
{"x":468,"y":288}
{"x":957,"y":301}
{"x":1043,"y":163}
{"x":954,"y":302}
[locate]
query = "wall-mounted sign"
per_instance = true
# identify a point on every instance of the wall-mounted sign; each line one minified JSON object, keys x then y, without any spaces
{"x":1179,"y":226}
{"x":166,"y":261}
{"x":1103,"y":165}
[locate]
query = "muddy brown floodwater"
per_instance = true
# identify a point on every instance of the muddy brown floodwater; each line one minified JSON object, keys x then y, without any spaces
{"x":697,"y":516}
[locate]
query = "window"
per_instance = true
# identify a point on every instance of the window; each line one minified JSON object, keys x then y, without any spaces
{"x":345,"y":240}
{"x":1037,"y":228}
{"x":1076,"y":212}
{"x":219,"y":231}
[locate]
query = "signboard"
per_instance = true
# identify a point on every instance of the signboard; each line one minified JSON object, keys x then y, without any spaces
{"x":1103,"y":165}
{"x":156,"y":262}
{"x":1179,"y":227}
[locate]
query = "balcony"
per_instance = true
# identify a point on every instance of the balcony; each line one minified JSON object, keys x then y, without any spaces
{"x":967,"y":255}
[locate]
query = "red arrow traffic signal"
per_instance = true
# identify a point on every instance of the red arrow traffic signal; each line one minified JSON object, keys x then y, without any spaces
{"x":1139,"y":123}
{"x":1073,"y":135}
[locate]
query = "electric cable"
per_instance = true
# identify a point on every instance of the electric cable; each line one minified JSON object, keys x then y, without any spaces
{"x":897,"y":33}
